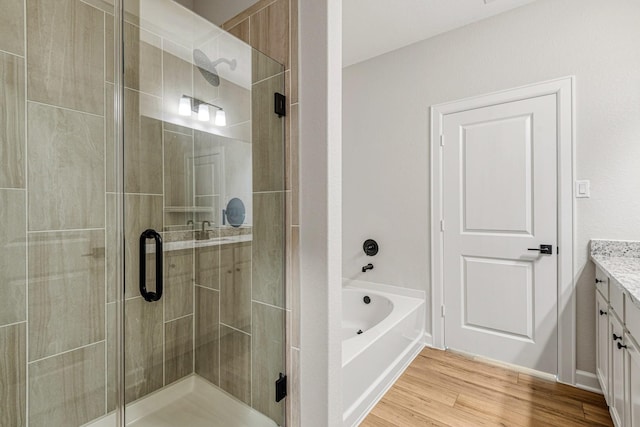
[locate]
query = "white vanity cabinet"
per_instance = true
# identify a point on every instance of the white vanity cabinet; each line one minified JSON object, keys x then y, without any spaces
{"x":603,"y":344}
{"x":617,"y":350}
{"x":616,"y":373}
{"x":632,"y":415}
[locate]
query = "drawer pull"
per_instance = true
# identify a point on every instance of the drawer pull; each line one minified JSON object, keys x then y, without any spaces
{"x":602,"y":313}
{"x":616,"y":337}
{"x":599,"y":281}
{"x":621,"y":346}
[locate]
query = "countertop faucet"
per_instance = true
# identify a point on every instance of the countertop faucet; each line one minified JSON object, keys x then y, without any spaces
{"x":202,"y":234}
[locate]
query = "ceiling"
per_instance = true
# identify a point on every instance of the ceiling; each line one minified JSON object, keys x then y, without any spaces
{"x":373,"y":27}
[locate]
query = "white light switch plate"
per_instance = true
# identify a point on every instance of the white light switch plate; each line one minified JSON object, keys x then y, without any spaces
{"x":583,"y":189}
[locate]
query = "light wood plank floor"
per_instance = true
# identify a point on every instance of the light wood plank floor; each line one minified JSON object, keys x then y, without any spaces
{"x":441,"y":388}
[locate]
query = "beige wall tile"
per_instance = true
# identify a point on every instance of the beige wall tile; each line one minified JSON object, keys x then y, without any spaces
{"x":12,"y":125}
{"x":235,"y":363}
{"x":270,"y":31}
{"x":268,"y":359}
{"x":295,"y":287}
{"x":242,"y":31}
{"x":263,"y":67}
{"x":66,"y":291}
{"x":143,"y":348}
{"x":294,"y":392}
{"x":294,"y":163}
{"x":110,"y":147}
{"x":178,"y":349}
{"x":12,"y":26}
{"x":178,"y":170}
{"x":205,"y":91}
{"x":177,"y":81}
{"x":140,"y":213}
{"x":177,"y":128}
{"x":207,"y":334}
{"x":268,"y":134}
{"x":142,"y":60}
{"x":60,"y":196}
{"x":142,"y":143}
{"x":293,"y":59}
{"x":268,"y":248}
{"x":69,"y":389}
{"x":65,"y":54}
{"x":235,"y":288}
{"x":236,"y":102}
{"x":109,"y":47}
{"x":178,"y":284}
{"x":13,"y":376}
{"x":208,"y":267}
{"x":112,"y":356}
{"x":105,"y":5}
{"x":13,"y":256}
{"x":260,"y":4}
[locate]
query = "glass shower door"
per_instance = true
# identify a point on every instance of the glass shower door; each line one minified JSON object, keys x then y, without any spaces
{"x":203,"y":184}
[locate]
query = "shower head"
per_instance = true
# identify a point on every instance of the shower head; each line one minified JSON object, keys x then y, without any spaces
{"x":208,"y":68}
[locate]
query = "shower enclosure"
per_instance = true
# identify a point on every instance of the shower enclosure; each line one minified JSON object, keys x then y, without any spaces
{"x":141,"y":219}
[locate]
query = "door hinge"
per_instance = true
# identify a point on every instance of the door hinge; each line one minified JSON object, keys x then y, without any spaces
{"x":281,"y":387}
{"x":442,"y":225}
{"x":442,"y":310}
{"x":442,"y":140}
{"x":280,"y":104}
{"x":557,"y":250}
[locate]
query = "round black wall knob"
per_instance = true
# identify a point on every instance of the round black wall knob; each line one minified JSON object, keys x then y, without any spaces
{"x":370,"y":247}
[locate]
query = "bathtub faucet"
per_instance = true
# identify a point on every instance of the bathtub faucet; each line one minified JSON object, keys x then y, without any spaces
{"x":367,"y":267}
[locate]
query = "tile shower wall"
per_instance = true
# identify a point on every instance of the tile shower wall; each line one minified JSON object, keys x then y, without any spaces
{"x":271,"y":26}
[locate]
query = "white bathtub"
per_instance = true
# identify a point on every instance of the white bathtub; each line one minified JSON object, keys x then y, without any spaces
{"x":391,"y":329}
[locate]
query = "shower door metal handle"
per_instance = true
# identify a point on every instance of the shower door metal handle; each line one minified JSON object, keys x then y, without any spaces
{"x":147,"y":295}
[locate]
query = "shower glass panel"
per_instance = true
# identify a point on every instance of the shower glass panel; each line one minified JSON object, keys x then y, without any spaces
{"x":203,"y":177}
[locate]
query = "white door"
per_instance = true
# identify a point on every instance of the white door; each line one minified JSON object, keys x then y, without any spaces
{"x":500,"y":200}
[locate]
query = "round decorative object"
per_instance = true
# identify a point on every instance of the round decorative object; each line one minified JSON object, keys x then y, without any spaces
{"x":367,"y":299}
{"x":235,"y":212}
{"x":370,"y":247}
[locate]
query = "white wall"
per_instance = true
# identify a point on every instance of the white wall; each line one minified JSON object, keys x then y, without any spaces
{"x":320,"y":212}
{"x":386,"y":104}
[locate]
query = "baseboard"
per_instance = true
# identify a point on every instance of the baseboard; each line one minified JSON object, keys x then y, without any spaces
{"x":427,"y":339}
{"x":588,"y":381}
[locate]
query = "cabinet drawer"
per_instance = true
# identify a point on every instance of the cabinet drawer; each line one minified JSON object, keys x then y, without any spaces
{"x":616,"y":300}
{"x":602,"y":283}
{"x":632,"y":318}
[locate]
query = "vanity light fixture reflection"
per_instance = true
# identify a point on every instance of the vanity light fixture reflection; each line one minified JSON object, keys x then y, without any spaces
{"x":221,"y":118}
{"x":184,"y":108}
{"x":190,"y":105}
{"x":203,"y":113}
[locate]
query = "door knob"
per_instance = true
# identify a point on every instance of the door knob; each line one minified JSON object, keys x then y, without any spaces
{"x":616,"y":337}
{"x":621,"y":346}
{"x":602,"y":312}
{"x":544,"y":249}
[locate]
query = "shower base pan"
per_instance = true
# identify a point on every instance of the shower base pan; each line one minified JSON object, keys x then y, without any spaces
{"x":191,"y":402}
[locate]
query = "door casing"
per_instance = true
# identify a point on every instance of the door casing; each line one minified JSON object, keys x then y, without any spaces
{"x":564,"y":89}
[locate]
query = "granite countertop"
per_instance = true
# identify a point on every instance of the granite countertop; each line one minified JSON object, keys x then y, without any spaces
{"x":621,"y":261}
